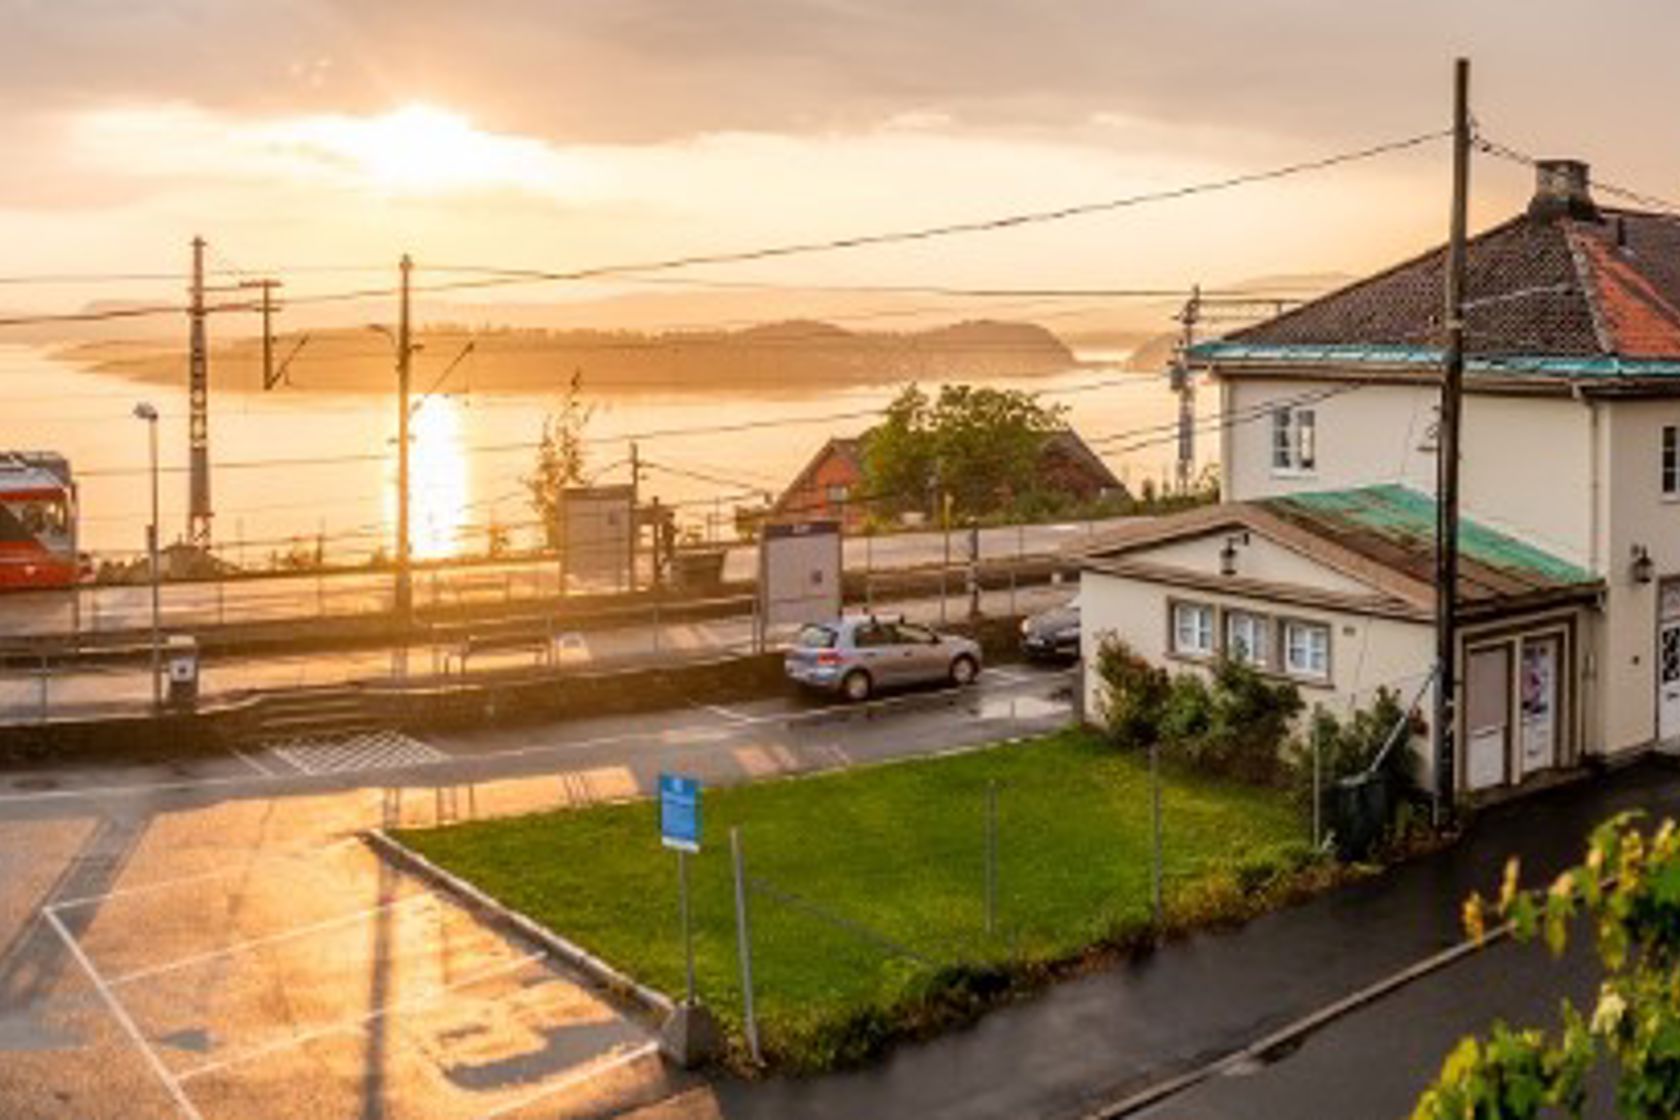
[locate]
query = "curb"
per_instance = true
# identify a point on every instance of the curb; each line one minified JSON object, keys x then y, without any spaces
{"x":1298,"y":1029}
{"x":648,"y":1000}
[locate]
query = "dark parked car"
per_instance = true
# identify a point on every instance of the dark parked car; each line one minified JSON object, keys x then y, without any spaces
{"x":1052,"y":635}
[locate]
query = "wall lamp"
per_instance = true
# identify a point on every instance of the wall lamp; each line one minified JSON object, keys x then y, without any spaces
{"x":1641,"y":569}
{"x":1228,"y":554}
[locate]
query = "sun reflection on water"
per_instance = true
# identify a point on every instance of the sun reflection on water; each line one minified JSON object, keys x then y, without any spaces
{"x":439,"y":481}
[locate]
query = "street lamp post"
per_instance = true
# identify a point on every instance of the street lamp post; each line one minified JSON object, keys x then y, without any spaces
{"x":145,"y":411}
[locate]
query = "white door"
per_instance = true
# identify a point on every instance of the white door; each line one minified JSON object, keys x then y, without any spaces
{"x":1487,"y":716}
{"x":1668,"y":680}
{"x":1539,"y":683}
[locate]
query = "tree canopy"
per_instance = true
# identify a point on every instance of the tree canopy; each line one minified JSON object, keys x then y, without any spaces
{"x":977,"y":445}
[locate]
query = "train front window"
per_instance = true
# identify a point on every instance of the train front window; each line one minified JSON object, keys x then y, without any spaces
{"x":43,"y":518}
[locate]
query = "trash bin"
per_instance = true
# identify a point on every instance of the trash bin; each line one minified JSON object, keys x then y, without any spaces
{"x":1359,"y":811}
{"x":181,"y":657}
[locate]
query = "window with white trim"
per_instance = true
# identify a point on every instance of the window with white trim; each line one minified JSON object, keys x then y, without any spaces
{"x":1306,"y":650}
{"x":1192,"y":629}
{"x":1247,"y":638}
{"x":1671,"y":461}
{"x":1294,"y":440}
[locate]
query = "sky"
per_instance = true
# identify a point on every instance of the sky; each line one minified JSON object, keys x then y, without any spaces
{"x":560,"y":134}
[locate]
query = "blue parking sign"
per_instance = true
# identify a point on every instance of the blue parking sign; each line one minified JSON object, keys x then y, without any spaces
{"x":679,"y":812}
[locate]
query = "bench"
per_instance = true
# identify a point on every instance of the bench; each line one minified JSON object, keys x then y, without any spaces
{"x":465,"y":647}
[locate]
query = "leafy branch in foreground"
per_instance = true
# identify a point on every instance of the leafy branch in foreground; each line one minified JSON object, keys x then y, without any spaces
{"x":1627,"y":893}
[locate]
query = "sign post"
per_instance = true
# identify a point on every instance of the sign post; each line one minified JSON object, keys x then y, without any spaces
{"x":690,"y":1036}
{"x":679,"y":830}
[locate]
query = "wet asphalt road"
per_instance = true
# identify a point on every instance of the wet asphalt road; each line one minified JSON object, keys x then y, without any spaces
{"x":211,"y":941}
{"x":234,"y":931}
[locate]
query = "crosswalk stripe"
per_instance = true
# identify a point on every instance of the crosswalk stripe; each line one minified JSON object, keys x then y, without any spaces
{"x":376,"y":750}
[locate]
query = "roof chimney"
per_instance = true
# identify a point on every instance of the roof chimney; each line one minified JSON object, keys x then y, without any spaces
{"x":1562,"y":189}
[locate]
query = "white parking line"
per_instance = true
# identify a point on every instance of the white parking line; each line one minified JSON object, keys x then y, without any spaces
{"x":292,"y":1042}
{"x":729,"y":714}
{"x":220,"y":873}
{"x":586,"y":1073}
{"x":272,"y":939}
{"x":124,"y":1020}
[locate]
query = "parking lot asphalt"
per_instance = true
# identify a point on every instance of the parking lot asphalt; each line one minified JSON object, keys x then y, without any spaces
{"x":213,"y":941}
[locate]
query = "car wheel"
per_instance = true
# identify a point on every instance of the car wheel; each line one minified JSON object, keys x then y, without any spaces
{"x":856,"y":686}
{"x":963,"y":671}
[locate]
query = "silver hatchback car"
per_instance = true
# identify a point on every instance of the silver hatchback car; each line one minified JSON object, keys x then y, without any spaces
{"x":857,"y":656}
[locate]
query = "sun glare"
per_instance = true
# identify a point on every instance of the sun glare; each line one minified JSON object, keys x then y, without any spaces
{"x":440,"y":481}
{"x":422,"y":149}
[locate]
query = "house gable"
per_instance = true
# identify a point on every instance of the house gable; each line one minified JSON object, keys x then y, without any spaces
{"x":1368,"y":548}
{"x":1257,"y":558}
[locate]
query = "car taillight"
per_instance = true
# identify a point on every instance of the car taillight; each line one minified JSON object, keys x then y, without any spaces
{"x":828,"y":657}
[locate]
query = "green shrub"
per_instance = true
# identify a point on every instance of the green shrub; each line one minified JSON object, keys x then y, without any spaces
{"x":1352,"y":746}
{"x":1248,"y":722}
{"x":1188,"y":710}
{"x":1132,"y":696}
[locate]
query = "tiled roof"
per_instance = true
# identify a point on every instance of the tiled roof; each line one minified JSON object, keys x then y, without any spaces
{"x":1564,"y":289}
{"x":1394,"y":526}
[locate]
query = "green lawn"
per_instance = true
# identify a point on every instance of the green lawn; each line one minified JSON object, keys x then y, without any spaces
{"x":872,"y":880}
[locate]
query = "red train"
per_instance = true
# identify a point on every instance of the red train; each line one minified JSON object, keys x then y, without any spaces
{"x":37,"y":521}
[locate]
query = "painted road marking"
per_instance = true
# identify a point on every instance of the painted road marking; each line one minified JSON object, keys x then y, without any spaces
{"x":251,"y":762}
{"x":309,"y":852}
{"x":729,"y":714}
{"x":376,"y":750}
{"x":194,"y":785}
{"x":272,"y":939}
{"x":1007,"y":676}
{"x":124,"y":1020}
{"x":587,"y":1072}
{"x":303,"y":1038}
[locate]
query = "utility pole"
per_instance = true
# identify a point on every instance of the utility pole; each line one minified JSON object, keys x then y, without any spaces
{"x":267,"y":306}
{"x":1447,"y":459}
{"x":198,"y":397}
{"x":405,"y":355}
{"x":635,"y":508}
{"x":1185,"y":387}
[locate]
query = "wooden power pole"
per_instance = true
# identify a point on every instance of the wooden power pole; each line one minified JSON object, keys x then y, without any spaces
{"x":198,"y":402}
{"x":1447,"y":460}
{"x":1184,"y":385}
{"x":405,"y":355}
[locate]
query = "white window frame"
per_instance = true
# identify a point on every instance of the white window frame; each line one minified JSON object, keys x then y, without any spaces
{"x":1668,"y":471}
{"x":1252,"y":648}
{"x":1316,"y":664}
{"x":1192,"y":621}
{"x":1294,"y":441}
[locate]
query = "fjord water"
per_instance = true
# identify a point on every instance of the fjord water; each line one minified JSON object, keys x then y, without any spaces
{"x":294,"y":465}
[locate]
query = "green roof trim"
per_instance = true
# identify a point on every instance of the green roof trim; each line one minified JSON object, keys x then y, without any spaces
{"x":1407,"y":518}
{"x":1423,"y":357}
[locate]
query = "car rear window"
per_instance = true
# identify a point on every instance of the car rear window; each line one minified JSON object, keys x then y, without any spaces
{"x":815,"y":637}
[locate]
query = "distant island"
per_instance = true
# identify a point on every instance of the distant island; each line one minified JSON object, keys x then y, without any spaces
{"x":800,"y":353}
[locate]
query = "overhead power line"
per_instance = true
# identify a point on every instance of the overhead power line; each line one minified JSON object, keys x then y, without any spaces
{"x":983,"y":225}
{"x":856,"y":241}
{"x":1505,"y":152}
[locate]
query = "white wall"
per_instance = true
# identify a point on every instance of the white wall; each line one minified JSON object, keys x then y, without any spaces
{"x":1259,"y":559}
{"x":1638,"y":514}
{"x":1365,"y":652}
{"x":1527,"y":460}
